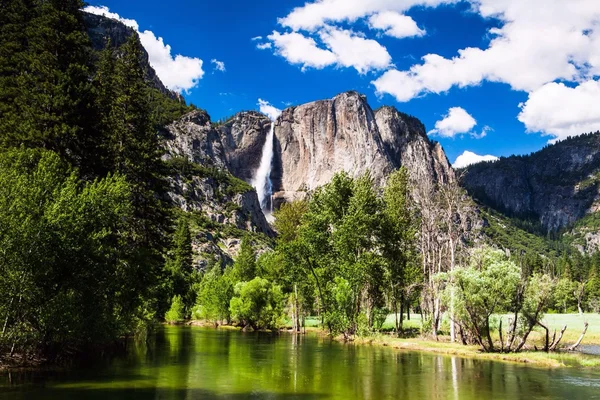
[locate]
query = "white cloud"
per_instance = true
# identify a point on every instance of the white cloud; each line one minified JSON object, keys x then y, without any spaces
{"x":219,"y":65}
{"x":353,"y":50}
{"x":299,"y":49}
{"x":268,"y":109}
{"x":457,"y":121}
{"x":264,"y":46}
{"x":103,"y":10}
{"x":256,"y":38}
{"x":319,"y":13}
{"x":467,"y":158}
{"x":178,"y":73}
{"x":343,"y":48}
{"x":395,"y":24}
{"x":561,"y":111}
{"x":539,"y":42}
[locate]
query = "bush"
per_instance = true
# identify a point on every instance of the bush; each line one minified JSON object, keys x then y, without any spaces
{"x":258,"y":303}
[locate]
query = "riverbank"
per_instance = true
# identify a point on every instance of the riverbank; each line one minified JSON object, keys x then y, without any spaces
{"x":560,"y":359}
{"x":538,"y":358}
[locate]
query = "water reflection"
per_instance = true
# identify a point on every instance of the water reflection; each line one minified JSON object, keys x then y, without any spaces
{"x":189,"y":363}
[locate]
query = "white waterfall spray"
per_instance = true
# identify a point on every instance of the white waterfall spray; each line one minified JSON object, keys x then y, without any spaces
{"x":262,"y":178}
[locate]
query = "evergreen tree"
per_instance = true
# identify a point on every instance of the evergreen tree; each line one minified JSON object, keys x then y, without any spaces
{"x":134,"y":148}
{"x":180,"y":265}
{"x":52,"y":107}
{"x":244,"y":267}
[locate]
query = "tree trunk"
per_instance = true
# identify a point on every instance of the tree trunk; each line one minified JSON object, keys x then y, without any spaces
{"x":555,"y":343}
{"x":576,"y":345}
{"x":452,"y":332}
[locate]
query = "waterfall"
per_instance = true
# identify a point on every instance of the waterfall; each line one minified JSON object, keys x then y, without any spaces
{"x":262,"y":179}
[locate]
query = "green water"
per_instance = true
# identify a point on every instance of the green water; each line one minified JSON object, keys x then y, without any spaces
{"x":202,"y":363}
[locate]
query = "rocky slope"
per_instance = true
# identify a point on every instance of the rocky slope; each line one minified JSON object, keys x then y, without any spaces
{"x":103,"y":30}
{"x":557,"y":186}
{"x":224,"y":207}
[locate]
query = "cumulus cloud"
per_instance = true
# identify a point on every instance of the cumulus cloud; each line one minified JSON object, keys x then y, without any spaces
{"x":315,"y":38}
{"x":562,"y":111}
{"x":178,"y":73}
{"x":395,"y":24}
{"x":314,"y":15}
{"x":538,"y":43}
{"x":268,"y":109}
{"x":299,"y":49}
{"x":341,"y":47}
{"x":353,"y":50}
{"x":456,"y":122}
{"x":219,"y":65}
{"x":468,"y":157}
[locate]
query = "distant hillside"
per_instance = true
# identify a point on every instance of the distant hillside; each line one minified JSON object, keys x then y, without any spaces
{"x":557,"y":187}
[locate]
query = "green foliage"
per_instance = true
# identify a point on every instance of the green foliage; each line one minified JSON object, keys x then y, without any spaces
{"x":288,"y":218}
{"x":257,"y":303}
{"x":214,"y":295}
{"x":100,"y":116}
{"x":350,"y":248}
{"x":65,"y":259}
{"x":486,"y":287}
{"x":493,"y":284}
{"x":244,"y":267}
{"x":177,"y":311}
{"x":179,"y":265}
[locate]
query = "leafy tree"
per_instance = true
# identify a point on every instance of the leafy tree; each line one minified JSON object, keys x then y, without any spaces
{"x":214,"y":294}
{"x":63,"y":270}
{"x":51,"y":108}
{"x":399,"y":229}
{"x":491,"y":284}
{"x":288,"y":219}
{"x":177,"y":311}
{"x":484,"y":288}
{"x":258,"y":304}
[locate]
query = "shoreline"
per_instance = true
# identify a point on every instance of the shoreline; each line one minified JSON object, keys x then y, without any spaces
{"x":559,"y":359}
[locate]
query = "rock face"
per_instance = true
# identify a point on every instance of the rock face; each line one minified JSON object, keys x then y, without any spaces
{"x":193,"y":137}
{"x":557,"y":186}
{"x":315,"y":140}
{"x":102,"y":30}
{"x":224,"y":206}
{"x":243,"y":139}
{"x":407,"y":145}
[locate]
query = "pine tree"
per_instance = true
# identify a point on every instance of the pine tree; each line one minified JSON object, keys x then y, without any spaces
{"x":53,"y":102}
{"x":245,"y":263}
{"x":180,"y":264}
{"x":134,"y":148}
{"x":15,"y":17}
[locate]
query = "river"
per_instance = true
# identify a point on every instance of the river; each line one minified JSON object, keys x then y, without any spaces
{"x":205,"y":363}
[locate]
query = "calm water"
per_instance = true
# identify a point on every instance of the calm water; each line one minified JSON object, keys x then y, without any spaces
{"x":199,"y":363}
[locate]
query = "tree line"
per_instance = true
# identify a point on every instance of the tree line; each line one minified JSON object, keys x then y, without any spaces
{"x":85,"y":226}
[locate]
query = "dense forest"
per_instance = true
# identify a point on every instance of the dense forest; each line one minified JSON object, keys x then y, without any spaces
{"x":92,"y":250}
{"x":84,"y":224}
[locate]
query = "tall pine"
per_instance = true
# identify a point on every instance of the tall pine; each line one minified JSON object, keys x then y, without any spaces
{"x":52,"y":107}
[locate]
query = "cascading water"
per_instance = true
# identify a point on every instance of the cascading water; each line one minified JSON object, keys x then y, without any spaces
{"x":262,"y":179}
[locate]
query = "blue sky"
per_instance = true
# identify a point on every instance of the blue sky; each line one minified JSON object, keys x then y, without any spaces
{"x":500,"y":77}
